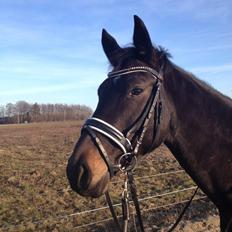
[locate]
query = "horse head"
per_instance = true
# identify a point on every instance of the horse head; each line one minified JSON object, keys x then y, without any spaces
{"x":131,"y":117}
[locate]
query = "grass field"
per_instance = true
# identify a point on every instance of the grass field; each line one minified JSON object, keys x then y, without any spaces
{"x":35,"y":195}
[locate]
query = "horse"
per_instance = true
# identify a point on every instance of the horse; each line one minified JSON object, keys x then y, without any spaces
{"x":190,"y":117}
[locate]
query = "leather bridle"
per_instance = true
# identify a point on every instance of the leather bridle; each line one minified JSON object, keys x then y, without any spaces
{"x":130,"y":147}
{"x":127,"y":160}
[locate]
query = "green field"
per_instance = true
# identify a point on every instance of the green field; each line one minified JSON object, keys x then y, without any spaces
{"x":35,"y":195}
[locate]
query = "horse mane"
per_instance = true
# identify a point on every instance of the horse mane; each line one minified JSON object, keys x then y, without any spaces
{"x":165,"y":56}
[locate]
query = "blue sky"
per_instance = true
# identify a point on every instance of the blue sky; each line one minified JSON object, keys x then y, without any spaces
{"x":50,"y":50}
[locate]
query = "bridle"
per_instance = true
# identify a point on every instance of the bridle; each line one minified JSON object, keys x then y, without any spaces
{"x":128,"y":160}
{"x":130,"y":147}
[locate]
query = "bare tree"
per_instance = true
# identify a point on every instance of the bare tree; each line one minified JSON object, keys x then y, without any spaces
{"x":22,"y":109}
{"x":10,"y":109}
{"x":2,"y":111}
{"x":35,"y":112}
{"x":22,"y":112}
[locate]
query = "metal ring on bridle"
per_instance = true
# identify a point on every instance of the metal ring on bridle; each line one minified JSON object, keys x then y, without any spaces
{"x":127,"y":162}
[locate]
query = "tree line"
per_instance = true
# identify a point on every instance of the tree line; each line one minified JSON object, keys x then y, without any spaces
{"x":24,"y":112}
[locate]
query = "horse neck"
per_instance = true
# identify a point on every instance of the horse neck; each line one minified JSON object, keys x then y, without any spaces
{"x":197,"y":109}
{"x":200,"y":126}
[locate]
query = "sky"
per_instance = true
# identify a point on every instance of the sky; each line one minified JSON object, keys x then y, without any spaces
{"x":50,"y":50}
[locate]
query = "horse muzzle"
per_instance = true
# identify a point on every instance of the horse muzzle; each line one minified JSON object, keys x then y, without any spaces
{"x":87,"y":176}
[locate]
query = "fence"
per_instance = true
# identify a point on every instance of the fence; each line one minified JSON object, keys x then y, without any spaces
{"x":141,"y":199}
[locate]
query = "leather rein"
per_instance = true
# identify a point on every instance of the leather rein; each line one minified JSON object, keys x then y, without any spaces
{"x":127,"y":161}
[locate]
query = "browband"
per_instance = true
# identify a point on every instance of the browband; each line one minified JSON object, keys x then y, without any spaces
{"x":144,"y":69}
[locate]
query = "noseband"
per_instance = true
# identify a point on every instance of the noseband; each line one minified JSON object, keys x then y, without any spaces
{"x":128,"y":159}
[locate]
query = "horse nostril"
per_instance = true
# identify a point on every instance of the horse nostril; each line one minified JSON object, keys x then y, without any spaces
{"x":83,"y":178}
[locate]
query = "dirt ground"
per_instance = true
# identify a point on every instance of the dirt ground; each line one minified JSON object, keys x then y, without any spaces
{"x":35,"y":195}
{"x":211,"y":224}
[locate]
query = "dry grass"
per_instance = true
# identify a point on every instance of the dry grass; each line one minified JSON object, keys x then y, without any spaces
{"x":35,"y":195}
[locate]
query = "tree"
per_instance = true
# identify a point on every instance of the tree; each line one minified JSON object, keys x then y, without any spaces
{"x":22,"y":112}
{"x":35,"y":112}
{"x":10,"y":110}
{"x":22,"y":109}
{"x":2,"y":111}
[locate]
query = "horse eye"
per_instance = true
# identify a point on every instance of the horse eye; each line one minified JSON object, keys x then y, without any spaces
{"x":136,"y":91}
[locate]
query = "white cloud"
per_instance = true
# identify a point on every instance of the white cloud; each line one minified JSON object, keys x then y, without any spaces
{"x":204,"y":49}
{"x":213,"y":69}
{"x":49,"y":89}
{"x":21,"y":66}
{"x":201,"y":9}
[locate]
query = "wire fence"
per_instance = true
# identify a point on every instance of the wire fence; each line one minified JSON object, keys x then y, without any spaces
{"x":147,"y":198}
{"x":119,"y":204}
{"x":152,"y":176}
{"x":143,"y":210}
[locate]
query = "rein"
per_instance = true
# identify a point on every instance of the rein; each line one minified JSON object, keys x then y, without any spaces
{"x":127,"y":161}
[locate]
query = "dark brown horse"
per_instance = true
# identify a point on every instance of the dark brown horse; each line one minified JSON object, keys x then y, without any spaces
{"x":195,"y":122}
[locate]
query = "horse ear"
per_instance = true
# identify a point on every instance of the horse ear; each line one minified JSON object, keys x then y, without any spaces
{"x":110,"y":47}
{"x":141,"y":39}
